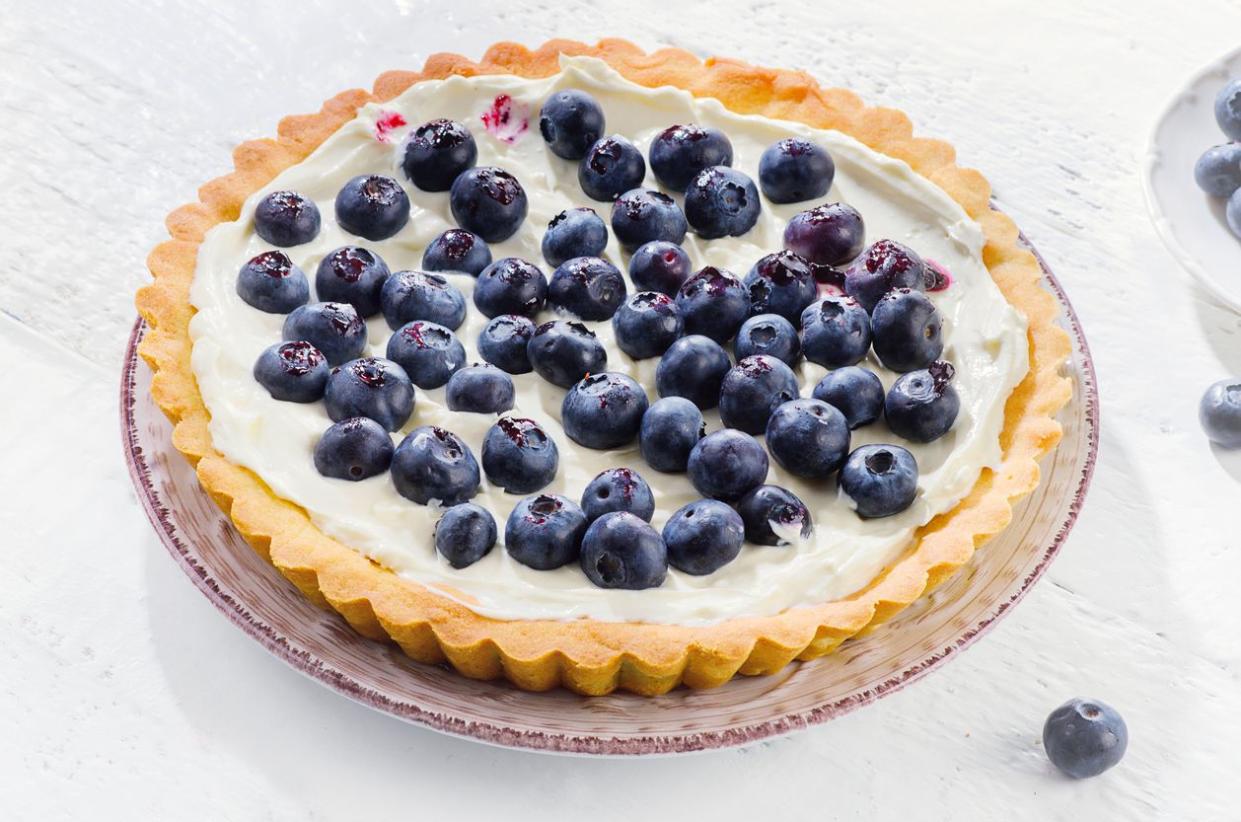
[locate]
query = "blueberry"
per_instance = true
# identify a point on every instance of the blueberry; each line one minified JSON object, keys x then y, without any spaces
{"x":519,"y":456}
{"x":768,"y":334}
{"x":271,"y":283}
{"x":646,"y":324}
{"x":457,"y":250}
{"x":836,"y":331}
{"x":372,"y":206}
{"x":659,"y":266}
{"x":479,"y":389}
{"x":1085,"y":737}
{"x":503,"y":341}
{"x":1220,"y":413}
{"x":908,"y":332}
{"x":589,"y":288}
{"x":679,"y":152}
{"x":545,"y":532}
{"x":721,"y":202}
{"x":1218,"y":170}
{"x":354,"y":449}
{"x":774,"y":516}
{"x":611,"y":167}
{"x":286,"y":218}
{"x":370,"y":387}
{"x":570,"y":122}
{"x":465,"y":534}
{"x":489,"y":202}
{"x":419,"y":295}
{"x":671,"y":427}
{"x":884,"y":266}
{"x":753,"y":389}
{"x":830,"y":234}
{"x":510,"y":285}
{"x":562,"y":352}
{"x":643,"y":216}
{"x":574,"y":232}
{"x":881,"y":480}
{"x":727,"y":465}
{"x":809,"y":438}
{"x":1232,"y":212}
{"x":293,"y":371}
{"x":352,"y":274}
{"x":436,"y":152}
{"x":922,"y":405}
{"x":703,"y":536}
{"x":434,"y":464}
{"x":693,"y":367}
{"x":855,"y":392}
{"x":794,"y":169}
{"x":603,"y":411}
{"x":428,"y":352}
{"x":713,"y":303}
{"x":1228,"y":109}
{"x":781,"y":283}
{"x":619,"y":550}
{"x":333,"y":328}
{"x":618,"y":489}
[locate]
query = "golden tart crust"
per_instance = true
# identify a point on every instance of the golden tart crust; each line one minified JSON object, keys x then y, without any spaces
{"x":589,"y":656}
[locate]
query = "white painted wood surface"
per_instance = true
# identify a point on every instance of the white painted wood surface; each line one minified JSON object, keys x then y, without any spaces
{"x":124,"y":695}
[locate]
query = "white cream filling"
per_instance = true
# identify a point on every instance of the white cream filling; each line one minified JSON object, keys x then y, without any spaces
{"x":985,"y":340}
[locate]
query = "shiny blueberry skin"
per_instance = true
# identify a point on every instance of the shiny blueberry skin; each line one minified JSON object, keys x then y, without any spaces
{"x":753,"y":389}
{"x":563,"y":352}
{"x":436,"y":152}
{"x":1228,"y":109}
{"x":545,"y":532}
{"x":479,"y":389}
{"x":882,"y":480}
{"x":693,"y":367}
{"x":836,"y":331}
{"x":769,"y":504}
{"x":679,"y":152}
{"x":619,"y":550}
{"x":642,"y":216}
{"x":923,"y":405}
{"x":370,"y":387}
{"x":355,"y":275}
{"x":434,"y":464}
{"x":781,"y":283}
{"x":809,"y":438}
{"x":420,"y":295}
{"x":519,"y":456}
{"x":618,"y":489}
{"x":659,"y":266}
{"x":907,"y":330}
{"x":703,"y":536}
{"x":1085,"y":737}
{"x":286,"y":218}
{"x":671,"y":427}
{"x":603,"y":411}
{"x":489,"y":202}
{"x":1218,"y":170}
{"x":646,"y":324}
{"x":855,"y":392}
{"x":768,"y":334}
{"x":721,"y":202}
{"x":510,"y":285}
{"x":589,"y":288}
{"x":831,"y":234}
{"x":429,"y":353}
{"x":1232,"y":212}
{"x":457,"y":250}
{"x":372,"y":206}
{"x":271,"y":283}
{"x":727,"y":464}
{"x":713,"y":303}
{"x":465,"y":534}
{"x":353,"y":449}
{"x":503,"y":341}
{"x":293,"y":371}
{"x":611,"y":167}
{"x":1219,"y":412}
{"x":574,"y":232}
{"x":794,"y":169}
{"x":570,"y":122}
{"x":333,"y":328}
{"x":884,"y":265}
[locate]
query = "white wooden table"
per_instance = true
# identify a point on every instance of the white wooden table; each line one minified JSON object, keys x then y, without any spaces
{"x":123,"y":694}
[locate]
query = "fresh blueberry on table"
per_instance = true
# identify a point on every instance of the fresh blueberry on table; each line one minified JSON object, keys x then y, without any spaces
{"x":1228,"y":109}
{"x":355,"y":275}
{"x":570,"y":122}
{"x":372,"y":206}
{"x":693,"y":367}
{"x":1218,"y":170}
{"x":574,"y":232}
{"x":836,"y":332}
{"x":703,"y":536}
{"x":774,"y":516}
{"x":795,"y":169}
{"x":286,"y":218}
{"x":333,"y":328}
{"x":922,"y":405}
{"x":721,"y":202}
{"x":642,"y":216}
{"x":465,"y":534}
{"x":603,"y":411}
{"x":768,"y":334}
{"x":479,"y":389}
{"x":855,"y":392}
{"x":884,"y":266}
{"x":781,"y":283}
{"x":510,"y":285}
{"x":503,"y":342}
{"x":618,"y":489}
{"x":293,"y":371}
{"x":488,"y":201}
{"x":679,"y":152}
{"x":272,"y":284}
{"x":727,"y":464}
{"x":457,"y":250}
{"x":563,"y":352}
{"x":830,"y":235}
{"x":619,"y":550}
{"x":611,"y":167}
{"x":1220,"y":413}
{"x":519,"y":456}
{"x":808,"y":437}
{"x":880,"y":480}
{"x":545,"y":532}
{"x":659,"y":266}
{"x":436,"y":152}
{"x":432,"y":463}
{"x":646,"y":324}
{"x":671,"y":427}
{"x":589,"y":288}
{"x":907,"y":330}
{"x":753,"y":389}
{"x":1085,"y":737}
{"x":370,"y":387}
{"x":353,"y":449}
{"x":428,"y":352}
{"x":420,"y":295}
{"x":713,"y":303}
